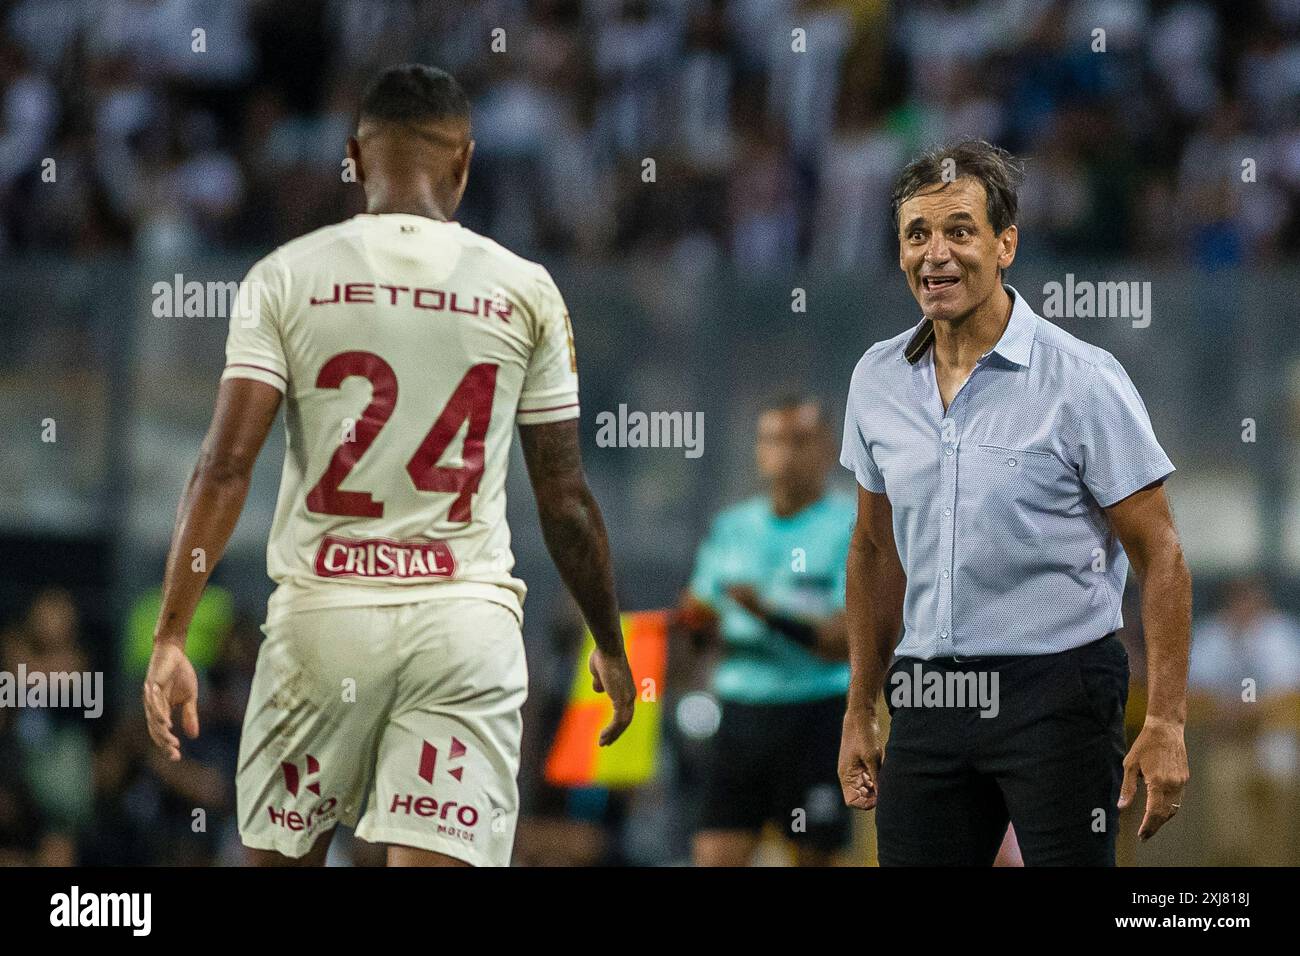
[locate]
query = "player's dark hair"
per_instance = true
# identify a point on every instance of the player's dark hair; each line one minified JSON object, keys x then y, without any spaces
{"x":999,"y":171}
{"x":414,"y":93}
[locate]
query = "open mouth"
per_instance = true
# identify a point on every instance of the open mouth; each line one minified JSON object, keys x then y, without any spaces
{"x":937,"y":283}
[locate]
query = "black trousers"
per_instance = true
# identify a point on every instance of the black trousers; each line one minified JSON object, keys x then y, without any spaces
{"x":769,"y":761}
{"x":1050,"y":760}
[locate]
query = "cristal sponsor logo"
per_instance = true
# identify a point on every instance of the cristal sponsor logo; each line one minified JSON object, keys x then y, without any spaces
{"x":922,"y":688}
{"x":383,"y":558}
{"x":198,"y":300}
{"x":78,"y":909}
{"x":304,"y":781}
{"x":73,"y":690}
{"x":637,"y":429}
{"x":432,"y":300}
{"x":454,"y":818}
{"x":1085,"y":299}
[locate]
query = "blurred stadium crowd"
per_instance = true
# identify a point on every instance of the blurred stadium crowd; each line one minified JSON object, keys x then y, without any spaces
{"x":762,"y":155}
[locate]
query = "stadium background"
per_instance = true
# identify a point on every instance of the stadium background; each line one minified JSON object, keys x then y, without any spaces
{"x":772,"y":175}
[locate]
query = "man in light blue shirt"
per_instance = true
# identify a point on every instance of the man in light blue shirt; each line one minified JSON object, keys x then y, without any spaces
{"x":1007,"y":473}
{"x":769,"y":582}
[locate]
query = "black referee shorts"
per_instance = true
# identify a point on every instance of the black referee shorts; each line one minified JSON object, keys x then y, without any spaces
{"x":1050,"y":761}
{"x":777,"y":763}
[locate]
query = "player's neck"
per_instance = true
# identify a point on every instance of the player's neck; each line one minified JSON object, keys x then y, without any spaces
{"x":415,"y":201}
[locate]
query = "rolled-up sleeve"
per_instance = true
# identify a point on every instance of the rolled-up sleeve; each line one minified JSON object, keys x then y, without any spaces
{"x":1115,"y":446}
{"x":855,"y":453}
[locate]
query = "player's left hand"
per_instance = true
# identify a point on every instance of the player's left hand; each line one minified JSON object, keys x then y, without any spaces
{"x":170,"y":683}
{"x":613,"y":676}
{"x":1159,"y":757}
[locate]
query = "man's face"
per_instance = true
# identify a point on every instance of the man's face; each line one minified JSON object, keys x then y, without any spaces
{"x":948,"y":249}
{"x":793,"y":447}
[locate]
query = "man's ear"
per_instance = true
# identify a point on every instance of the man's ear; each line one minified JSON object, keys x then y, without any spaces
{"x":1007,"y":242}
{"x":354,"y":154}
{"x":466,"y":157}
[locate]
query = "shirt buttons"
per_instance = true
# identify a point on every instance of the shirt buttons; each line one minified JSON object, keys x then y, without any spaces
{"x":947,"y":512}
{"x":944,"y":635}
{"x":947,"y":451}
{"x":945,"y":574}
{"x":1011,"y":462}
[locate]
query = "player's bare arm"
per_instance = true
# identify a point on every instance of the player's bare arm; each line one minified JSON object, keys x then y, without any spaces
{"x":874,"y":611}
{"x":208,"y":512}
{"x":574,"y":532}
{"x":1145,"y":527}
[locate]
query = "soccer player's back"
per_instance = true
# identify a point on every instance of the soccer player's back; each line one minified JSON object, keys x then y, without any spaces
{"x":406,"y":348}
{"x":413,"y":346}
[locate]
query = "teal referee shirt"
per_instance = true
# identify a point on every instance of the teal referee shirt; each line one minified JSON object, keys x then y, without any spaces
{"x":796,"y":564}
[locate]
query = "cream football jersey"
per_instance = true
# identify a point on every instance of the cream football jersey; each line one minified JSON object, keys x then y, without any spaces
{"x":407,"y":349}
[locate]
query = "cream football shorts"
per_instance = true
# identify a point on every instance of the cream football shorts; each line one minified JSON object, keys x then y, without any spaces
{"x":406,"y":717}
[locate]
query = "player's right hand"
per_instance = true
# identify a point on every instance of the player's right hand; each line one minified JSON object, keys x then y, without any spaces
{"x":613,"y":676}
{"x":860,"y":757}
{"x":170,"y":683}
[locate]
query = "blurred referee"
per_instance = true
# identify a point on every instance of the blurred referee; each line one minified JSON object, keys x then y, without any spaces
{"x":769,"y":581}
{"x":1008,"y":474}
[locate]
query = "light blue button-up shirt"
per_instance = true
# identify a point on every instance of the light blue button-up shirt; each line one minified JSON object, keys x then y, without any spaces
{"x":997,"y":503}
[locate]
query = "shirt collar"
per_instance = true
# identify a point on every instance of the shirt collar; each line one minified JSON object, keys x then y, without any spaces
{"x":1016,"y":344}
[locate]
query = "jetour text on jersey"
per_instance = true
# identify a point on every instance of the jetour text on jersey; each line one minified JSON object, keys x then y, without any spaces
{"x":434,"y":300}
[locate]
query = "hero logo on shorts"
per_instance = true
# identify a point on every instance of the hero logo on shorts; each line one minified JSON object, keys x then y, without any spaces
{"x":383,"y":558}
{"x":454,"y":819}
{"x":294,"y":781}
{"x":291,"y":779}
{"x":429,"y":760}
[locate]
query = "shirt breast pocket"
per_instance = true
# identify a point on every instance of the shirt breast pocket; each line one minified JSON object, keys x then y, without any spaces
{"x":1012,"y":491}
